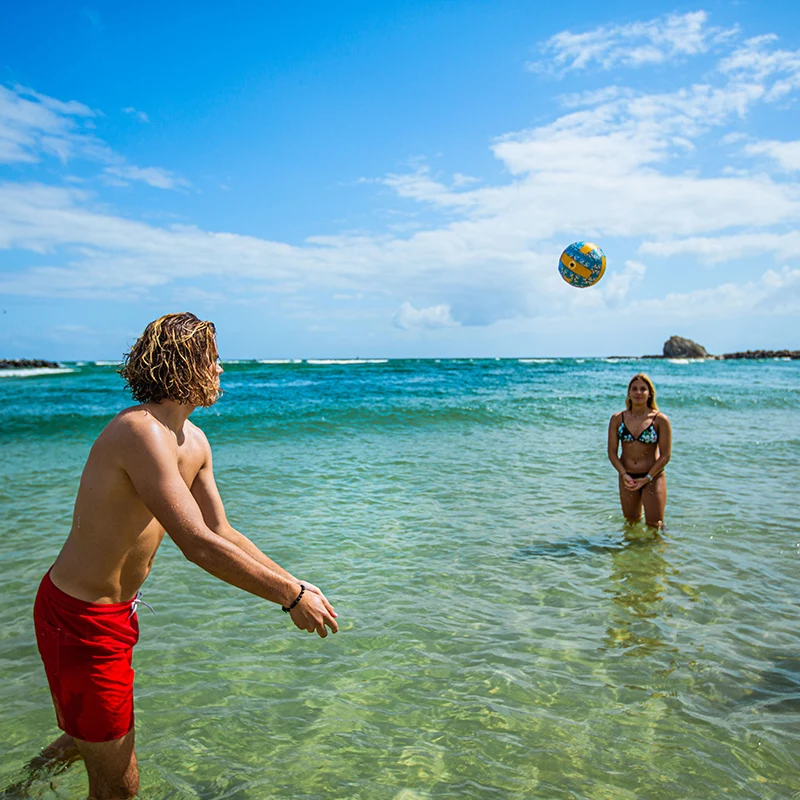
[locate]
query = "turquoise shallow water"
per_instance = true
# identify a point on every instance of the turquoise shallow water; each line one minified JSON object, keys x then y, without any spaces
{"x":503,"y":635}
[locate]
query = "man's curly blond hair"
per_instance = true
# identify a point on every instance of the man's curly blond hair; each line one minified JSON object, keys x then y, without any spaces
{"x":174,"y":359}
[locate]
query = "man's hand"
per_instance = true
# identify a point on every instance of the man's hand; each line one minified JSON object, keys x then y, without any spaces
{"x":314,"y":612}
{"x":316,"y":590}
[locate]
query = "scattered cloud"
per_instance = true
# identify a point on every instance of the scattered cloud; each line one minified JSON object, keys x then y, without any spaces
{"x":616,"y":164}
{"x":34,"y":126}
{"x":773,"y":293}
{"x":153,"y":176}
{"x":634,"y":44}
{"x":721,"y":249}
{"x":140,"y":115}
{"x":785,"y":154}
{"x":460,"y":180}
{"x":410,"y":318}
{"x":617,"y":287}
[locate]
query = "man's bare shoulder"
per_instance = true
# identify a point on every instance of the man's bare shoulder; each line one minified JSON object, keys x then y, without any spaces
{"x":196,"y":432}
{"x":198,"y":443}
{"x":135,"y":425}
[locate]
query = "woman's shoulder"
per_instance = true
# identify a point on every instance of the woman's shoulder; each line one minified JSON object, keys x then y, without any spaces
{"x":616,"y":417}
{"x":661,"y":417}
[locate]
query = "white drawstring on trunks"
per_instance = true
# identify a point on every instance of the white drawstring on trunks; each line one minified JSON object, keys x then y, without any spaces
{"x":135,"y":604}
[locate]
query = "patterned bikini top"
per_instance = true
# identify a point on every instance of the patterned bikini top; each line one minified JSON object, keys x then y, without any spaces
{"x":648,"y":436}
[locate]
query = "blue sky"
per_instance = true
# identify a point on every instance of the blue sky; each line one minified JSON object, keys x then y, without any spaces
{"x":398,"y":179}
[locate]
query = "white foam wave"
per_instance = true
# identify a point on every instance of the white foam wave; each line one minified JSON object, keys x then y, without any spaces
{"x":536,"y":360}
{"x":279,"y":360}
{"x":329,"y":361}
{"x":31,"y":372}
{"x":106,"y":363}
{"x":686,"y":360}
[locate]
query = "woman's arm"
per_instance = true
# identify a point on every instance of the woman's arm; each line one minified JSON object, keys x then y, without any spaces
{"x":613,"y":444}
{"x":664,"y":429}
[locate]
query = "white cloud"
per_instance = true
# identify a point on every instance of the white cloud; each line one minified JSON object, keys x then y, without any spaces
{"x":755,"y":60}
{"x":410,"y":318}
{"x":33,"y":125}
{"x":460,"y":180}
{"x":153,"y":176}
{"x":720,"y":249}
{"x":622,"y":164}
{"x":595,"y":97}
{"x":632,"y":45}
{"x":774,"y":293}
{"x":617,"y":286}
{"x":140,"y":115}
{"x":786,"y":154}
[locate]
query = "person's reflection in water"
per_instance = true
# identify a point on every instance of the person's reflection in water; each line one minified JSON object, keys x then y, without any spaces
{"x":638,"y":580}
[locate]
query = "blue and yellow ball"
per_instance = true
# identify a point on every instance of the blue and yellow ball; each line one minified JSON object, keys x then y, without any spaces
{"x":582,"y":264}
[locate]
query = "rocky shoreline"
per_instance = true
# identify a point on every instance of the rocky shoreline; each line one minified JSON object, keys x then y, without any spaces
{"x":754,"y":354}
{"x":27,"y":363}
{"x":678,"y":347}
{"x":793,"y":354}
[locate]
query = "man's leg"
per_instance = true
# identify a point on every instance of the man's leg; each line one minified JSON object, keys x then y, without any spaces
{"x":112,"y":767}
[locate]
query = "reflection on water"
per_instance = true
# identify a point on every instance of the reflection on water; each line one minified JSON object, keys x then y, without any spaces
{"x":776,"y":689}
{"x":637,"y":584}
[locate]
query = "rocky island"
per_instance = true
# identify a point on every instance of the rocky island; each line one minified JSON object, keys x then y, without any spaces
{"x":678,"y":347}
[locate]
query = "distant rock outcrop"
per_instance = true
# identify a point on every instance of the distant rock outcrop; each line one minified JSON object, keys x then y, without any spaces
{"x":26,"y":363}
{"x":793,"y":354}
{"x":678,"y":347}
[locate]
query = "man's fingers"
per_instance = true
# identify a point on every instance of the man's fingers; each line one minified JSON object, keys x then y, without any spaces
{"x":326,"y":603}
{"x":318,"y":592}
{"x":315,"y":619}
{"x":328,"y":606}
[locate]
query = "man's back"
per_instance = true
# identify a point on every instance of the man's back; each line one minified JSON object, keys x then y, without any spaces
{"x":114,"y":536}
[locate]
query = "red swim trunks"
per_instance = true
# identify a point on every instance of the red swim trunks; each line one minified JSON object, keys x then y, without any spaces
{"x":87,"y":650}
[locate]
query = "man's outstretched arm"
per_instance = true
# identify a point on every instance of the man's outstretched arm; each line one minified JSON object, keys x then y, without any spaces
{"x":150,"y":461}
{"x":206,"y":494}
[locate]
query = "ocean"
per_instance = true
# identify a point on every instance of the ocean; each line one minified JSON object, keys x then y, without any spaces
{"x":503,"y":633}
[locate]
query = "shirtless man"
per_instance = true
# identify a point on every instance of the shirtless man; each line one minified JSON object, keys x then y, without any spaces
{"x":149,"y":472}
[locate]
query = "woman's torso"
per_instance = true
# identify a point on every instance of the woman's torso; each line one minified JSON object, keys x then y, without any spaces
{"x":638,"y":438}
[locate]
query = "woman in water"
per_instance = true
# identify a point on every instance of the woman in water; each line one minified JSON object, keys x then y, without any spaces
{"x":646,"y":439}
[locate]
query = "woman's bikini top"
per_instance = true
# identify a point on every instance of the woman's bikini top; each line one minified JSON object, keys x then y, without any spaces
{"x":648,"y":436}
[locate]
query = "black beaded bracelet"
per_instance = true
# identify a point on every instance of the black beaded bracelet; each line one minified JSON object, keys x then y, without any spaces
{"x":287,"y":609}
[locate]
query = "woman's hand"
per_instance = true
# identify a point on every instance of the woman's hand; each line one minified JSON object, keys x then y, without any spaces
{"x":630,"y":483}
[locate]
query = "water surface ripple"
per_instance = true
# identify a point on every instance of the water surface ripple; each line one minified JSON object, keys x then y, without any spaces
{"x":503,"y":634}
